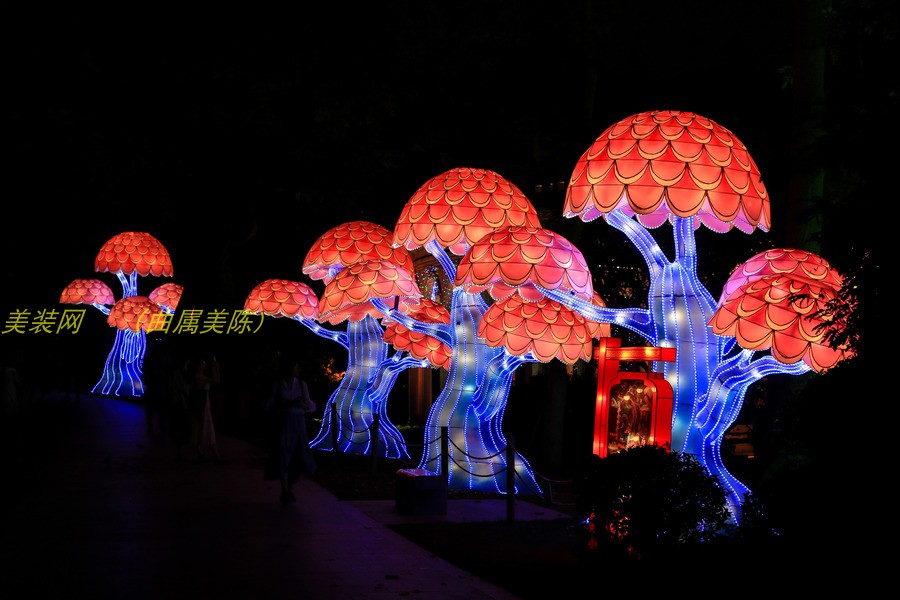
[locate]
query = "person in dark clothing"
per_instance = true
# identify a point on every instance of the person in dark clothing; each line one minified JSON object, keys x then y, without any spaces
{"x":203,"y":429}
{"x":177,"y":400}
{"x":156,"y":367}
{"x":289,"y":452}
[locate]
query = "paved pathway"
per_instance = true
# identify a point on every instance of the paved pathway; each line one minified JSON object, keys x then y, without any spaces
{"x":95,"y":507}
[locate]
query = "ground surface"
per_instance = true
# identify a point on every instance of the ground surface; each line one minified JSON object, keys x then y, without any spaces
{"x":526,"y":557}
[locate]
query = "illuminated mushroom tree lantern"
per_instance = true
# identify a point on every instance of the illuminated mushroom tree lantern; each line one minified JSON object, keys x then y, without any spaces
{"x":348,"y":297}
{"x":336,"y":250}
{"x":446,"y":215}
{"x":347,"y":244}
{"x":684,"y":169}
{"x":128,"y":255}
{"x":677,"y":167}
{"x":510,"y":263}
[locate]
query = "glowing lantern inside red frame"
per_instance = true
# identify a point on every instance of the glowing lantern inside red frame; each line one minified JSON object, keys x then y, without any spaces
{"x":633,"y":408}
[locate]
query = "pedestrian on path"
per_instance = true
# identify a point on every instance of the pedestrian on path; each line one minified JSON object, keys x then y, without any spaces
{"x":179,"y":416}
{"x":203,"y":428}
{"x":289,"y":451}
{"x":157,"y":367}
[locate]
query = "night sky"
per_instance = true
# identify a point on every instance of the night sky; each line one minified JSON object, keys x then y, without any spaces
{"x":238,"y":148}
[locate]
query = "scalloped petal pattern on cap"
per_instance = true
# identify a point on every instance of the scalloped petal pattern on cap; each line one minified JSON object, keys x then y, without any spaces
{"x":168,"y":295}
{"x":459,"y":207}
{"x":283,"y":298}
{"x":545,"y":328}
{"x":348,"y":296}
{"x":521,"y":256}
{"x":134,"y":251}
{"x":134,"y":313}
{"x":87,"y":291}
{"x":664,"y":164}
{"x":350,"y":243}
{"x":779,"y":311}
{"x":799,"y":264}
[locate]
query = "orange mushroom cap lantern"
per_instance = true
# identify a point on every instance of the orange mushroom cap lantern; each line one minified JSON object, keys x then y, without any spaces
{"x":87,"y":291}
{"x":168,"y":295}
{"x":798,"y":264}
{"x":663,"y":164}
{"x":420,"y":345}
{"x":545,"y":328}
{"x":774,"y":301}
{"x":134,"y":313}
{"x":351,"y":243}
{"x":459,"y":207}
{"x":283,"y":298}
{"x":348,"y":296}
{"x":516,"y":258}
{"x":131,"y":252}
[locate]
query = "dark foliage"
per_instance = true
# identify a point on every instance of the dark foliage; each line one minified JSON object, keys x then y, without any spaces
{"x":647,"y":499}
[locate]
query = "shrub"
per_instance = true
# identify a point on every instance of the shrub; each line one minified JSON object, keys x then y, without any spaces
{"x":648,"y":502}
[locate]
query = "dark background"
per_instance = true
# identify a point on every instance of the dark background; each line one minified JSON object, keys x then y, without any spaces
{"x":237,"y":140}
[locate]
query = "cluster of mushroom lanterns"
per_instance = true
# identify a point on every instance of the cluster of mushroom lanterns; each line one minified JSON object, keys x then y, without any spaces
{"x":522,"y":293}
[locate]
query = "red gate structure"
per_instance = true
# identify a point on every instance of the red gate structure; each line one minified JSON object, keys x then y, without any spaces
{"x":633,"y":408}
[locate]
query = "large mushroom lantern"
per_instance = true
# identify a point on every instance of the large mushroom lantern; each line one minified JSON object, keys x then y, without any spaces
{"x":342,"y":247}
{"x":516,"y":265}
{"x":446,"y":215}
{"x":336,"y":250}
{"x":128,"y":255}
{"x":349,"y":296}
{"x":681,"y":168}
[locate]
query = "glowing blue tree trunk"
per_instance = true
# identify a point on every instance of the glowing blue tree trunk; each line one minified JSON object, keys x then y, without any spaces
{"x":477,"y":446}
{"x":720,"y":407}
{"x":122,"y":371}
{"x":453,"y":409}
{"x":394,"y":445}
{"x":366,"y":352}
{"x":679,"y":308}
{"x":122,"y":374}
{"x":357,"y":402}
{"x":488,"y":408}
